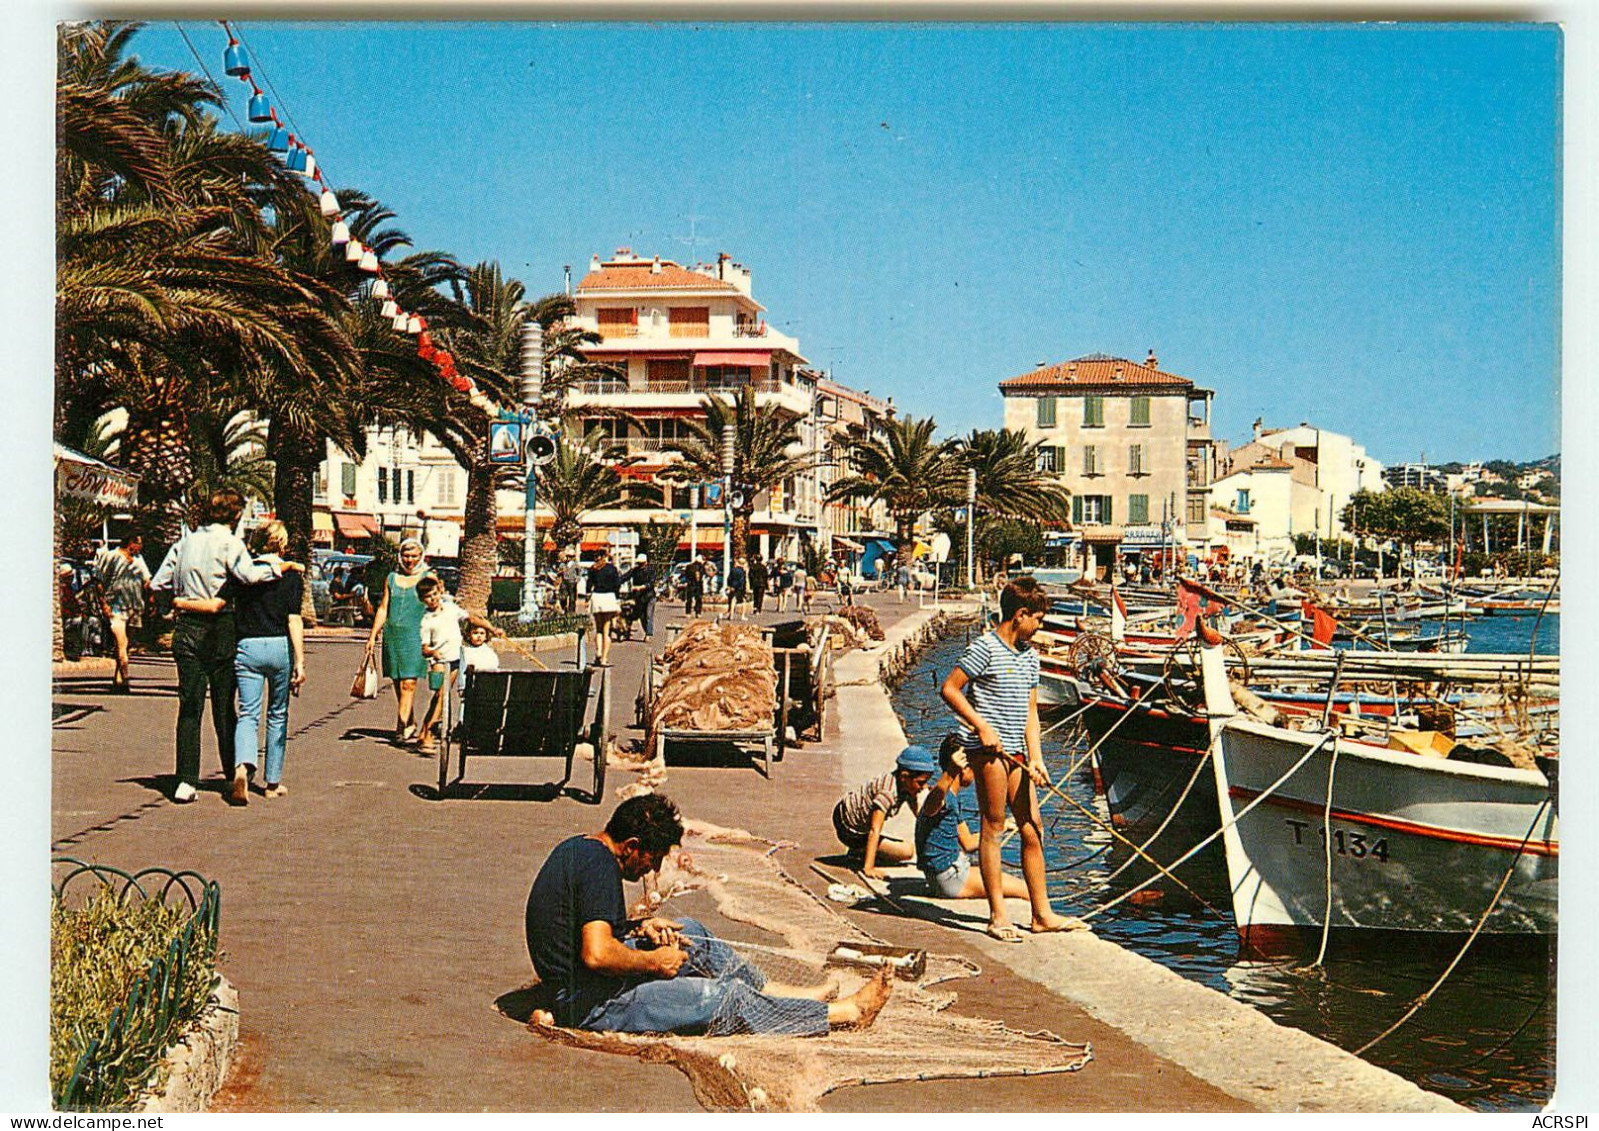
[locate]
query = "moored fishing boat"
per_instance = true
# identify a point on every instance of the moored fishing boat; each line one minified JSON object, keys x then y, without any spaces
{"x":1322,"y":829}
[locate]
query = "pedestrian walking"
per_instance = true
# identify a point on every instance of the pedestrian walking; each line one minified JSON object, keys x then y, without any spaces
{"x":641,"y":588}
{"x":124,"y":584}
{"x":399,"y":619}
{"x":605,"y":603}
{"x":759,"y":577}
{"x":204,"y":644}
{"x":781,"y":580}
{"x":803,"y":583}
{"x":694,"y":588}
{"x":737,"y":580}
{"x":571,"y":570}
{"x":268,"y":665}
{"x":902,"y":580}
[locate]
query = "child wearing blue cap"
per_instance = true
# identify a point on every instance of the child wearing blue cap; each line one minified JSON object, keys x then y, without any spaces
{"x":859,"y":816}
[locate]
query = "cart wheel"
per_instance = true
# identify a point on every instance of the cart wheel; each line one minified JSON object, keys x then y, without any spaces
{"x":602,"y":712}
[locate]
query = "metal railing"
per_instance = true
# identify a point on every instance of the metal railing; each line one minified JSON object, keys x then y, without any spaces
{"x":685,"y":385}
{"x":117,"y":1063}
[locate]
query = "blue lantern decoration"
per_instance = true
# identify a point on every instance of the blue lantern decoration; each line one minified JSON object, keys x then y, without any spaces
{"x":234,"y":60}
{"x":296,"y":159}
{"x":278,"y":141}
{"x":260,"y":111}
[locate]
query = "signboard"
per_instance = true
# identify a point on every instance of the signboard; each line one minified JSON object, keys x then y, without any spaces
{"x":1149,"y":535}
{"x":81,"y":477}
{"x":505,"y":441}
{"x":711,"y":495}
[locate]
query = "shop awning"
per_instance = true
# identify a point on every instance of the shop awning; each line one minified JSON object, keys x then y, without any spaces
{"x":732,"y":357}
{"x":354,"y":524}
{"x":83,"y":477}
{"x":840,"y":540}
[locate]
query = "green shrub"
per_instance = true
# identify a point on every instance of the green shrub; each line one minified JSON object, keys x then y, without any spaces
{"x":545,"y":626}
{"x":127,"y":975}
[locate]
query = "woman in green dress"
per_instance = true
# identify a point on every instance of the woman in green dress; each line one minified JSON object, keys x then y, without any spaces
{"x":399,"y":618}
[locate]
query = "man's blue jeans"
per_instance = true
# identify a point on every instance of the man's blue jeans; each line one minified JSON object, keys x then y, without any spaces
{"x":262,"y":667}
{"x":716,"y":993}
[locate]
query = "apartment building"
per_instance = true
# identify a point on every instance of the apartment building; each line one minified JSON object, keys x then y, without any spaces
{"x":1130,"y":441}
{"x":677,"y":334}
{"x":407,"y":484}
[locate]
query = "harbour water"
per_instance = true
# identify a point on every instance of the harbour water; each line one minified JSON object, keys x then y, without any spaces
{"x":1485,"y":1038}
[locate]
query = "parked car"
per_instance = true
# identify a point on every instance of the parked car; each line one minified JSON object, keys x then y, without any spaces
{"x":323,"y":567}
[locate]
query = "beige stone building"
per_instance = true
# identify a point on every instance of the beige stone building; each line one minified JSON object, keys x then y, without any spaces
{"x":1131,"y":442}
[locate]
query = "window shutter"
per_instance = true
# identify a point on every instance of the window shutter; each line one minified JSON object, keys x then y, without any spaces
{"x":1046,"y":412}
{"x":1108,"y":519}
{"x":383,"y":484}
{"x":347,"y":478}
{"x":1060,"y":460}
{"x":1138,"y":411}
{"x":1077,"y":508}
{"x":410,"y":485}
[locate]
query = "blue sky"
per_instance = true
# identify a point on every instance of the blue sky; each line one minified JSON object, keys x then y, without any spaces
{"x":1355,"y":226}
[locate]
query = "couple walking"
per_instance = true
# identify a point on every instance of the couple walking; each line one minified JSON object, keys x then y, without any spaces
{"x":238,"y":630}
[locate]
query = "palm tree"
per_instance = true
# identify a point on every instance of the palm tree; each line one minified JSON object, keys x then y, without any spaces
{"x":165,"y":300}
{"x":578,"y":480}
{"x":1010,"y":483}
{"x":906,"y":470}
{"x":767,"y":450}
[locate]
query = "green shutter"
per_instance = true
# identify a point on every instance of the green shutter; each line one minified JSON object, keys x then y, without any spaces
{"x":347,"y":478}
{"x":1137,"y":508}
{"x":1077,"y":508}
{"x":1138,"y":411}
{"x":1060,"y":461}
{"x":1109,"y":517}
{"x":1046,"y":412}
{"x":1093,"y":412}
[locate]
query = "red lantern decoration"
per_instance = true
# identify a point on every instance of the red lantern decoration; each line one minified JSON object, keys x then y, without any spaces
{"x":424,"y":340}
{"x":426,"y":352}
{"x":443,"y":360}
{"x":461,"y":385}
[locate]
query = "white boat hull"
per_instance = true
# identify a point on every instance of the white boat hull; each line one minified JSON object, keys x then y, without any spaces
{"x":1416,"y":843}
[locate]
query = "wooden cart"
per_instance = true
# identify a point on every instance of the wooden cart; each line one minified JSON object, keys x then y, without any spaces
{"x":531,"y":714}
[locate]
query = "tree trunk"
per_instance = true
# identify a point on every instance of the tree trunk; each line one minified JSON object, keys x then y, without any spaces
{"x":295,"y":457}
{"x":155,"y":448}
{"x":740,"y":535}
{"x":479,"y":553}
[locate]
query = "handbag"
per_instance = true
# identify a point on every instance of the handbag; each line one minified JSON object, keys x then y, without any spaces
{"x":365,"y":684}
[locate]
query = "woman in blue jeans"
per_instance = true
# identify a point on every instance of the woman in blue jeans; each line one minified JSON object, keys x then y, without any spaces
{"x":269,"y":664}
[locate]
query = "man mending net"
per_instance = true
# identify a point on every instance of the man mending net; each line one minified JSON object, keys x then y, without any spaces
{"x":603,"y":971}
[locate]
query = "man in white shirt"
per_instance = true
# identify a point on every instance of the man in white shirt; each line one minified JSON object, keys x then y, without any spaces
{"x":204,"y":643}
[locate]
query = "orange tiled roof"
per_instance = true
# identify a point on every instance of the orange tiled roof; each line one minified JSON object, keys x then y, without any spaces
{"x":1096,"y":370}
{"x":631,"y":276}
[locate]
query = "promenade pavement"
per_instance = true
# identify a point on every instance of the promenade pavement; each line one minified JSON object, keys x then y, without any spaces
{"x":370,"y":927}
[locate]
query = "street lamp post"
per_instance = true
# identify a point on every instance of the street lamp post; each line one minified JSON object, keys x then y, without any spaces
{"x":727,"y":502}
{"x":532,"y":387}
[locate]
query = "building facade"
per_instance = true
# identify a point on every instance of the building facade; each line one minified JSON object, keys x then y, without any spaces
{"x":1130,"y":441}
{"x":407,"y":485}
{"x":676,"y":335}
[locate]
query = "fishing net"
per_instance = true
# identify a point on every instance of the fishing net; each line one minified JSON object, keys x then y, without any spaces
{"x":720,"y":677}
{"x":915,"y":1037}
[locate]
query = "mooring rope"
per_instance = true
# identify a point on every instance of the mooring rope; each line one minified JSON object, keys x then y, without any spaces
{"x":1482,"y":921}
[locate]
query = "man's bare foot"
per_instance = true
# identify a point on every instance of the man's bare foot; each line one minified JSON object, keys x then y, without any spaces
{"x":541,"y":1019}
{"x":861,"y":1008}
{"x":827,"y":990}
{"x":1057,"y":923}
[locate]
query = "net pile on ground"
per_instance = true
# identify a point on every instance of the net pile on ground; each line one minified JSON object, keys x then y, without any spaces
{"x":915,"y":1037}
{"x":842,"y":635}
{"x":864,"y":619}
{"x":719,"y":677}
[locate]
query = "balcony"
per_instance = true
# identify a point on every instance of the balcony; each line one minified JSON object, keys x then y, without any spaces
{"x":696,"y":386}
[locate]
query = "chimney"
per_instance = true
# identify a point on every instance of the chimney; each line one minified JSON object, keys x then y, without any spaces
{"x":721,"y":264}
{"x":1118,"y":373}
{"x":1150,"y":362}
{"x":1259,"y":422}
{"x":594,"y":264}
{"x":655,"y":267}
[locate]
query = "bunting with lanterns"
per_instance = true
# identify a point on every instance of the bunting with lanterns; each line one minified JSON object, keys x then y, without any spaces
{"x":298,"y":158}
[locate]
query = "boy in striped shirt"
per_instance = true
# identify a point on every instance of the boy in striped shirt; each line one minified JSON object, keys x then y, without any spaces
{"x":993,"y":690}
